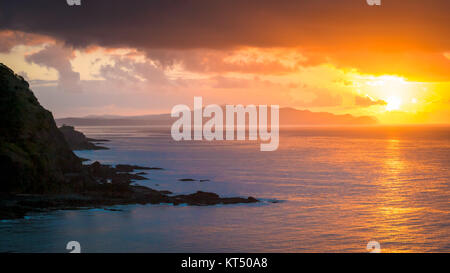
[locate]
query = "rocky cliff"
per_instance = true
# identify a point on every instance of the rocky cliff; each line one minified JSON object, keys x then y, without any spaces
{"x":78,"y":141}
{"x":36,"y":159}
{"x":34,"y":156}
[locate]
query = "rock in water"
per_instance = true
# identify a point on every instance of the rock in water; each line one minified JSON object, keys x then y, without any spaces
{"x":35,"y":158}
{"x":34,"y":155}
{"x":77,"y":140}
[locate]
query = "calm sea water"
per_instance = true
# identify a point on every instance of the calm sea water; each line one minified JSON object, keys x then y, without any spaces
{"x":338,"y":189}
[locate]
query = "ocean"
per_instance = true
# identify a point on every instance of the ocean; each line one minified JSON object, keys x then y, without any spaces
{"x":326,"y":189}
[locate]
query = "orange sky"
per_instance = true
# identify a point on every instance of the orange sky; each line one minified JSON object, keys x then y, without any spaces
{"x":374,"y":62}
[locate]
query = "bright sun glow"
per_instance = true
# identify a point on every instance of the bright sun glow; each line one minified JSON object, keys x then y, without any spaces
{"x":393,"y":103}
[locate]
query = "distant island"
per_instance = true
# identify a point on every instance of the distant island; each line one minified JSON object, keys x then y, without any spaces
{"x":40,"y":172}
{"x":288,"y":117}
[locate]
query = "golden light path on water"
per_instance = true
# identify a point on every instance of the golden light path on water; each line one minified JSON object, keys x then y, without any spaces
{"x":401,"y":210}
{"x":337,"y":189}
{"x":396,"y":209}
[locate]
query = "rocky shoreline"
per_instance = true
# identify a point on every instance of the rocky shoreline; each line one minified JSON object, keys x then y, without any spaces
{"x":112,"y":186}
{"x":78,"y":141}
{"x":41,"y":173}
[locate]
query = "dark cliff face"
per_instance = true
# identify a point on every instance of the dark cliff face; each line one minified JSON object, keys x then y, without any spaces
{"x":34,"y":156}
{"x":78,"y":141}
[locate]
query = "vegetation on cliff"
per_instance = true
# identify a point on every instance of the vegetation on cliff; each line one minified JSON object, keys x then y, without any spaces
{"x":34,"y":155}
{"x":39,"y":171}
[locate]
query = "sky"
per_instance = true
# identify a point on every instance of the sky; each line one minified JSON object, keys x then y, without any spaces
{"x":117,"y":57}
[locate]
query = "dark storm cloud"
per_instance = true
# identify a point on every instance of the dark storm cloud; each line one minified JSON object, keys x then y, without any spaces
{"x":315,"y":24}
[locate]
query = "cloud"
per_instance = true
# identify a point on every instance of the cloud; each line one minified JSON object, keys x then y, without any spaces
{"x":150,"y":55}
{"x":203,"y":35}
{"x":58,"y":57}
{"x":126,"y":70}
{"x":9,"y":39}
{"x":319,"y":24}
{"x":415,"y":65}
{"x":447,"y":55}
{"x":368,"y":101}
{"x":242,"y":60}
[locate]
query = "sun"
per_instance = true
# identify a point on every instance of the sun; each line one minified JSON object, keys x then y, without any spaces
{"x":393,"y":103}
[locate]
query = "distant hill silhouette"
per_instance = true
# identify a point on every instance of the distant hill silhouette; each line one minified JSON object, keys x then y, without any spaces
{"x":288,"y":117}
{"x":291,"y":116}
